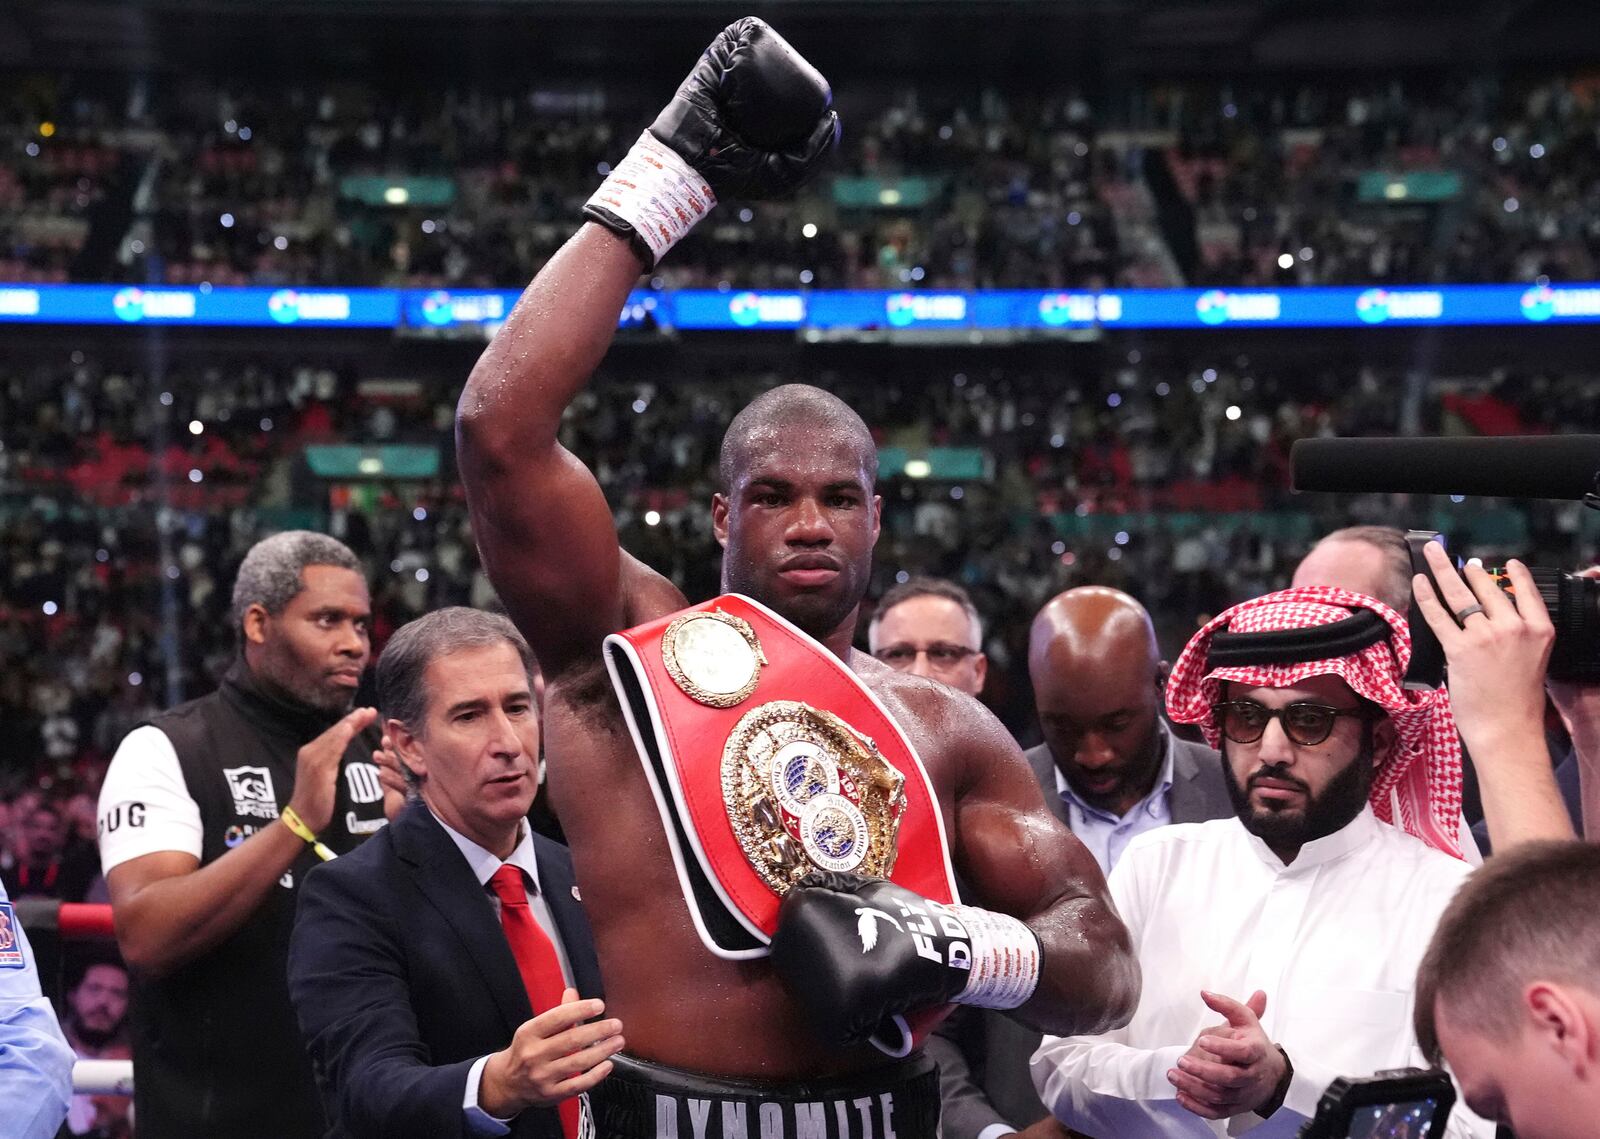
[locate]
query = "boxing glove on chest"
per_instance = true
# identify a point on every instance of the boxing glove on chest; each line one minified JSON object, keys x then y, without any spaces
{"x":858,"y":952}
{"x":752,"y":120}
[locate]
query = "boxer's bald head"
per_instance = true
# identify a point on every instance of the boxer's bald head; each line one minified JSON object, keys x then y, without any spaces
{"x":797,"y":517}
{"x":1097,"y":674}
{"x":791,"y":416}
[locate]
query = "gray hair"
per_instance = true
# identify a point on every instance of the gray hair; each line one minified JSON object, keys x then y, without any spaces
{"x":403,"y":666}
{"x":928,"y":587}
{"x":270,"y":575}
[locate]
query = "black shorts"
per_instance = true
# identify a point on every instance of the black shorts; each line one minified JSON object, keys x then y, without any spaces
{"x":640,"y":1100}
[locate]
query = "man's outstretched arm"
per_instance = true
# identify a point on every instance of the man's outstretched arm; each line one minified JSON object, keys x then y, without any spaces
{"x":750,"y":121}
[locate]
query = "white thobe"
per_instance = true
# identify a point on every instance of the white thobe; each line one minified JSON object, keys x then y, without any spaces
{"x":1333,"y":939}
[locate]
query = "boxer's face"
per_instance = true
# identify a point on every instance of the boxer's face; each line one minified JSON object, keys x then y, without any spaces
{"x":798,"y":527}
{"x":478,"y":749}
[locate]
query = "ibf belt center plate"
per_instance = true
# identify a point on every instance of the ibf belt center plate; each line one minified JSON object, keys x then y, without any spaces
{"x":806,"y":791}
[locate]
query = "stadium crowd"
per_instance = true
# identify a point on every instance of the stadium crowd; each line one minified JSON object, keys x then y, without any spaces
{"x":205,"y":561}
{"x":1427,"y":181}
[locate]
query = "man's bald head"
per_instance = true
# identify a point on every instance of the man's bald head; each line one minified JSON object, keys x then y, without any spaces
{"x":1097,"y":672}
{"x":785,"y":416}
{"x":1366,"y":559}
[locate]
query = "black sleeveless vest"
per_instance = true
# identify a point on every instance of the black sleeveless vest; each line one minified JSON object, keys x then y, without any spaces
{"x":217,"y":1051}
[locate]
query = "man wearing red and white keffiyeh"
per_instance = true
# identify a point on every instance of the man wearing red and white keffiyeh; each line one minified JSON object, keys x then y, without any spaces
{"x":1421,"y":767}
{"x":1298,"y":924}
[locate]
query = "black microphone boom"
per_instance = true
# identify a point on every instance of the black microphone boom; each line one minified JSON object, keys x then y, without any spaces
{"x":1506,"y":466}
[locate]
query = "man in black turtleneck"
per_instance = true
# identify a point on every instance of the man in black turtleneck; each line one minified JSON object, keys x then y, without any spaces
{"x":204,"y":819}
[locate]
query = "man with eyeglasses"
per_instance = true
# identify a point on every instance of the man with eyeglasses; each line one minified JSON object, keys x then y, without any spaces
{"x":929,"y":627}
{"x":1280,"y":946}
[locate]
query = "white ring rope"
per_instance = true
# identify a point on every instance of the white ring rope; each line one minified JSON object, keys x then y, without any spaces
{"x":102,"y":1077}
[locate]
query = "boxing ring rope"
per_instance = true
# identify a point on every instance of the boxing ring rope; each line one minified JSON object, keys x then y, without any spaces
{"x":71,"y":921}
{"x":80,"y":921}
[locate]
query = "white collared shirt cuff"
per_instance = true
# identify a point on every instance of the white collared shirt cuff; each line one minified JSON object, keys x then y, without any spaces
{"x":995,"y":1130}
{"x":480,"y":1122}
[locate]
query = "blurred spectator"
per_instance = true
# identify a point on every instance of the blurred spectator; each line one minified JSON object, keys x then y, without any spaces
{"x":95,"y":1026}
{"x":1366,"y":559}
{"x":930,"y":628}
{"x":46,"y":865}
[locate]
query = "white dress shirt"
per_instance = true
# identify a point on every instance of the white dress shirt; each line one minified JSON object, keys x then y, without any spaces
{"x":1333,"y":939}
{"x":484,"y":863}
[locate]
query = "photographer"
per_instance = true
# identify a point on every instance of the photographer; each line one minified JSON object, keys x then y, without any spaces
{"x":1498,"y":650}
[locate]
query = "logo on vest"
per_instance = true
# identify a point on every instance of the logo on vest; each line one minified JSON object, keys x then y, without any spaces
{"x":364,"y":783}
{"x":251,"y":788}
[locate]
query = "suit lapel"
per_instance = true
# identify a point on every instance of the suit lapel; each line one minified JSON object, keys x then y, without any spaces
{"x":1192,"y":798}
{"x":1044,"y":770}
{"x":572,"y":924}
{"x":445,"y":879}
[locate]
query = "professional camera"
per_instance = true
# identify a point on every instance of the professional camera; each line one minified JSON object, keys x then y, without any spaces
{"x":1573,"y":602}
{"x":1408,"y":1103}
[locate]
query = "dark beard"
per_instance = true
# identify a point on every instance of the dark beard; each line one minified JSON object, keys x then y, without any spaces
{"x":92,"y":1038}
{"x":1333,"y":810}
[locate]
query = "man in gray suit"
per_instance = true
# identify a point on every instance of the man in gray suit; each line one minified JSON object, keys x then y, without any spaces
{"x":1110,"y":768}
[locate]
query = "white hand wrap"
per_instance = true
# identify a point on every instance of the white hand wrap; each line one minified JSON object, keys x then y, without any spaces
{"x":1005,"y":959}
{"x":657,"y":193}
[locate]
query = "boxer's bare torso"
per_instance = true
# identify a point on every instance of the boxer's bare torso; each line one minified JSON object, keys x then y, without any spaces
{"x":679,"y":1004}
{"x":549,"y":544}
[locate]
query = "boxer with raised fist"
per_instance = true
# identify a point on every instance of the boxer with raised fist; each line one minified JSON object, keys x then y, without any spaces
{"x":742,"y":1047}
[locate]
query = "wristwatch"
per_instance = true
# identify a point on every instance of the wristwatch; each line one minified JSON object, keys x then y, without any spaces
{"x":1275,"y":1101}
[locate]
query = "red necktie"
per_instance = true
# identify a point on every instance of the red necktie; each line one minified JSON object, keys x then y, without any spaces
{"x":536,"y":961}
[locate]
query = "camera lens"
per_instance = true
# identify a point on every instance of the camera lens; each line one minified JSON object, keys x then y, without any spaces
{"x":1574,"y":605}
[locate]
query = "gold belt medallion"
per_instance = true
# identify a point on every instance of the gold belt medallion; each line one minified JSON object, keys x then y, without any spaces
{"x":714,"y":657}
{"x":805,"y":790}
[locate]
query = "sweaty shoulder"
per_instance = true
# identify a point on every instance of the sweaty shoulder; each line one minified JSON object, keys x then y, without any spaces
{"x":947,"y":725}
{"x":925,"y":701}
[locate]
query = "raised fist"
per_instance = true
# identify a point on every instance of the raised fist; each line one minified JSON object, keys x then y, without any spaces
{"x":752,"y":120}
{"x":753,"y":116}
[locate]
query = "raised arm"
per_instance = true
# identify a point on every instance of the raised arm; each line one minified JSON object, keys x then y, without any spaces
{"x":751,"y":121}
{"x":542,"y":525}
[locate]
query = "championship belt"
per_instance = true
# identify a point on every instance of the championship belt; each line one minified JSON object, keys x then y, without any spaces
{"x":768,"y":758}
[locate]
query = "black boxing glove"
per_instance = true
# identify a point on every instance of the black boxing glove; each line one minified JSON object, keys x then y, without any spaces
{"x":752,"y":120}
{"x":858,"y":953}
